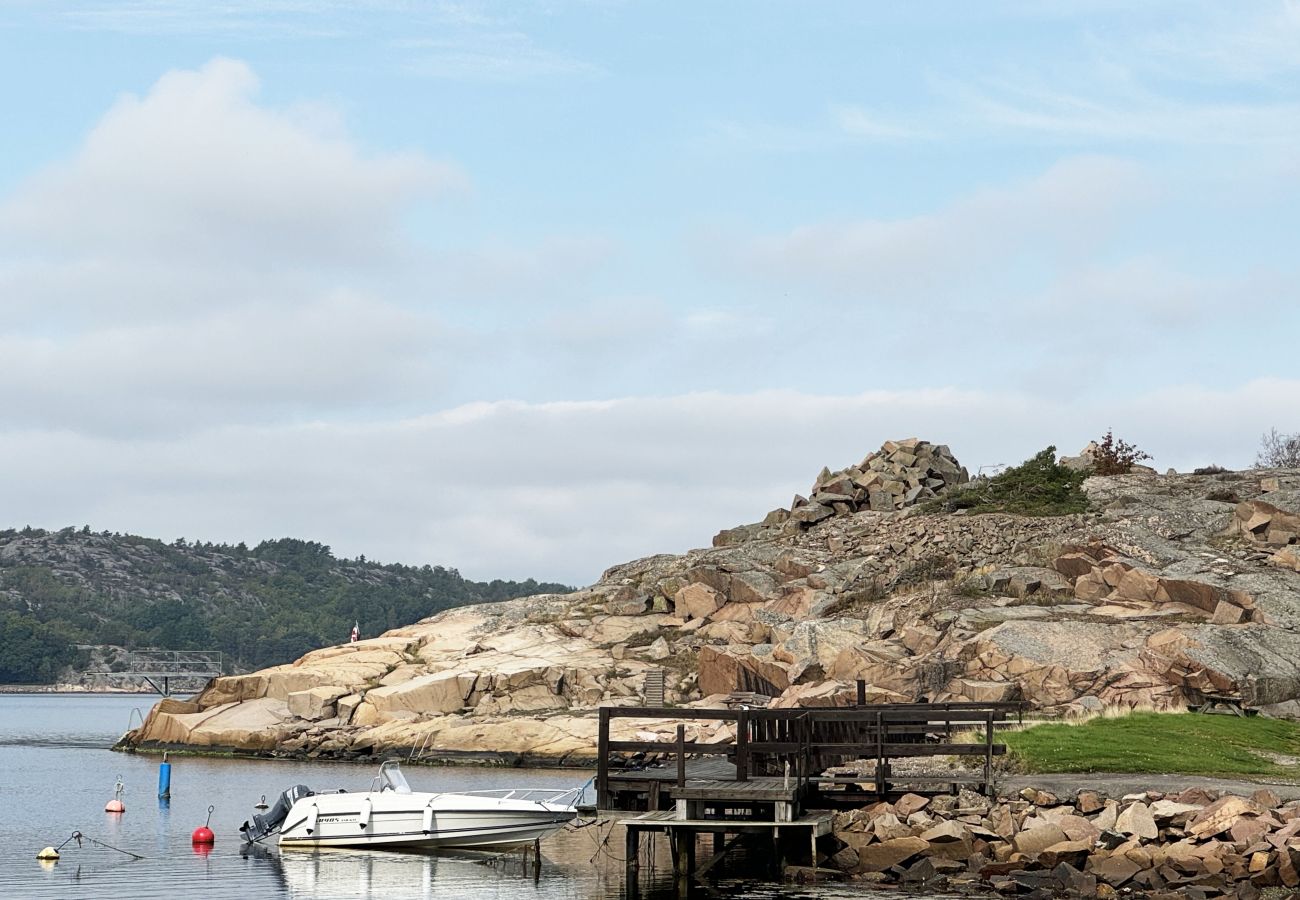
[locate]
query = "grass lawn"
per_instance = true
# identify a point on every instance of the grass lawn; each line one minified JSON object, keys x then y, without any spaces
{"x":1188,"y":744}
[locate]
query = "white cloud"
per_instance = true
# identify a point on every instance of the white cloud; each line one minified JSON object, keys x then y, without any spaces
{"x":236,"y":363}
{"x":1126,"y":112}
{"x":328,"y":19}
{"x":1056,"y":215}
{"x":1250,"y":42}
{"x":488,"y":55}
{"x":839,"y":127}
{"x":521,"y":275}
{"x":197,"y":170}
{"x":858,"y":122}
{"x":206,"y":259}
{"x":562,"y":490}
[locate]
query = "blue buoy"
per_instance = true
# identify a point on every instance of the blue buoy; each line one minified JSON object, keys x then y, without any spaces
{"x":165,"y":779}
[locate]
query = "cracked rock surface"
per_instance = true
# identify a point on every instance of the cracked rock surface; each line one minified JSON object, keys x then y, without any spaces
{"x":1169,"y":591}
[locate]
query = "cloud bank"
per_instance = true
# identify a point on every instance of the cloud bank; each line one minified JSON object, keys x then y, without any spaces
{"x":227,"y":320}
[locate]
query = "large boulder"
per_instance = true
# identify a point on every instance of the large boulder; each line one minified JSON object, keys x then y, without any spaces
{"x":727,"y":669}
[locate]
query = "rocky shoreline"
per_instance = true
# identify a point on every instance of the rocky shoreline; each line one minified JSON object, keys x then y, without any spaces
{"x":1197,"y":843}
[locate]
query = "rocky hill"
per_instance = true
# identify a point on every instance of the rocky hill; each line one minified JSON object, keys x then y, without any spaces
{"x":60,"y":590}
{"x":1163,"y":591}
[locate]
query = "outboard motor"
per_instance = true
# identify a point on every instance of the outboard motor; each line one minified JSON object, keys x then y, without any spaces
{"x":266,"y":824}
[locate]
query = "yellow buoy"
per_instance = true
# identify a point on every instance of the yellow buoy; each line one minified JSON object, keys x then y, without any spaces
{"x":48,"y":853}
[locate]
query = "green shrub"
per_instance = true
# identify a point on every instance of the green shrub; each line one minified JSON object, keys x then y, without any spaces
{"x":1039,"y":486}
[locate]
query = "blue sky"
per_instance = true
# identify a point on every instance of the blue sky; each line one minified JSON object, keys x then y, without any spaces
{"x":534,"y":288}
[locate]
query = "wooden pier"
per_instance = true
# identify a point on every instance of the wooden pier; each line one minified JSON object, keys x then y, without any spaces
{"x":767,"y":786}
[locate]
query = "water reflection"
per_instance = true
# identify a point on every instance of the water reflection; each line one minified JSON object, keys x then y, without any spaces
{"x":347,"y":874}
{"x":162,"y":828}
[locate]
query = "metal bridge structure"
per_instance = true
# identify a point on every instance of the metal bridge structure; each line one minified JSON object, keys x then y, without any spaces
{"x":159,"y":668}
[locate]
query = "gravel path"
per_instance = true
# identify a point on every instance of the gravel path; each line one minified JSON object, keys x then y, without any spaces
{"x":1116,"y":785}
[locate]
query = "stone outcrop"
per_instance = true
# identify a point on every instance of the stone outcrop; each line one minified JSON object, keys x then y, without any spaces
{"x":899,"y":474}
{"x":1165,"y":593}
{"x":1193,"y":844}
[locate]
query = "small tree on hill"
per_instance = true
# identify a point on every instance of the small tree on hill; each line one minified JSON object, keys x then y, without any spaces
{"x":1279,"y":451}
{"x":1115,"y":456}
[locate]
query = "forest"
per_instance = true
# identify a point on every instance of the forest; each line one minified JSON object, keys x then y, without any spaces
{"x":65,"y":592}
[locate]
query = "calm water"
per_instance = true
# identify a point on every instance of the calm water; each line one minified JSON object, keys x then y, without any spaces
{"x":56,"y":774}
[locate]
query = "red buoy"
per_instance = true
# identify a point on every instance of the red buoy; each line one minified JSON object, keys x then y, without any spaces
{"x":116,"y":805}
{"x":203,"y":836}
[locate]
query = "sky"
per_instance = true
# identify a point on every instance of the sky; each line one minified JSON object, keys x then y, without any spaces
{"x":531,"y":289}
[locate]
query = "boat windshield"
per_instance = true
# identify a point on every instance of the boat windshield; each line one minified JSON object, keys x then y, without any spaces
{"x":392,"y":779}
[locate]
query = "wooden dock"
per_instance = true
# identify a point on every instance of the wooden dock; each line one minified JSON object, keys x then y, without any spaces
{"x":768,"y":782}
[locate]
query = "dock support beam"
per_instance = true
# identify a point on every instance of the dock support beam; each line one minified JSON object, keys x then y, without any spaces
{"x":632,"y":851}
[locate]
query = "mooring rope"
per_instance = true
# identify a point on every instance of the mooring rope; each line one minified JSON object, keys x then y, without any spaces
{"x":79,"y":837}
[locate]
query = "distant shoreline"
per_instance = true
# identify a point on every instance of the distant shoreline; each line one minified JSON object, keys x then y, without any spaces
{"x":68,"y":689}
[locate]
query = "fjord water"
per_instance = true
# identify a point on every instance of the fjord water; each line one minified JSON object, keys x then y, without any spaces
{"x":56,"y":774}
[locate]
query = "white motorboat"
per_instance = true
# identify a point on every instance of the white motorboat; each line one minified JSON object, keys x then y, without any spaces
{"x":392,"y":816}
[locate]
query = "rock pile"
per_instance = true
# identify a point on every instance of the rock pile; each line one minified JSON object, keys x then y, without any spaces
{"x":1102,"y":575}
{"x":899,"y":474}
{"x":1263,"y":523}
{"x":1193,"y":844}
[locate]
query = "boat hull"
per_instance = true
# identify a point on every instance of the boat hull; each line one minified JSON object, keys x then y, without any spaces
{"x":415,"y":821}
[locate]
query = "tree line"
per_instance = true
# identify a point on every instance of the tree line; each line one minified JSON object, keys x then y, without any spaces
{"x":260,"y":606}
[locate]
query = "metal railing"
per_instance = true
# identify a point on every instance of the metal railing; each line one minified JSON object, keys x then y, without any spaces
{"x":158,"y":668}
{"x":173,"y":662}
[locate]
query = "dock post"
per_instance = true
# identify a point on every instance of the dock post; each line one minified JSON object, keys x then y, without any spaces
{"x":988,"y":753}
{"x":683,"y":850}
{"x":681,"y":755}
{"x":742,"y":745}
{"x":812,"y":853}
{"x":602,"y":760}
{"x":880,"y":756}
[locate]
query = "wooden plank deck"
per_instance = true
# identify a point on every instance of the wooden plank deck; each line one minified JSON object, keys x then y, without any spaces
{"x":756,"y":790}
{"x":667,"y":819}
{"x":714,"y":767}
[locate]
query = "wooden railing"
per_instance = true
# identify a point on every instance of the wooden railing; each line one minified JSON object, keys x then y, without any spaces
{"x":811,"y":740}
{"x":765,"y":737}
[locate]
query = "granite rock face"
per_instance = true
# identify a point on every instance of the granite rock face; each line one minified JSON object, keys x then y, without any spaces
{"x":1168,"y":592}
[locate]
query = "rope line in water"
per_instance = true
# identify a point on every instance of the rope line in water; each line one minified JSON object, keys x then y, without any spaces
{"x":601,"y":844}
{"x":79,"y":837}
